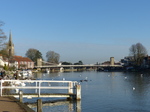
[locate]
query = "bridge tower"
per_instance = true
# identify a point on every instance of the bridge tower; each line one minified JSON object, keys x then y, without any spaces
{"x":112,"y":61}
{"x":39,"y":62}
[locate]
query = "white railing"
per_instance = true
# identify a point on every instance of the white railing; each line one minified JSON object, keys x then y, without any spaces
{"x":21,"y":84}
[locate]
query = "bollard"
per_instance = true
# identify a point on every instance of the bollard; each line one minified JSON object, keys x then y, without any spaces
{"x":20,"y":96}
{"x":78,"y":92}
{"x":39,"y":105}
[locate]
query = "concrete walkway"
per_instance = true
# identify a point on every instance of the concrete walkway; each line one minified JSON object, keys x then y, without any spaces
{"x":11,"y":104}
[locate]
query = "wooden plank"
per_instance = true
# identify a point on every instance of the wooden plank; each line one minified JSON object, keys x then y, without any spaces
{"x":32,"y":87}
{"x":42,"y":95}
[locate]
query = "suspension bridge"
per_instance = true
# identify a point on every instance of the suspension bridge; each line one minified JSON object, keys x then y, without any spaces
{"x":60,"y":67}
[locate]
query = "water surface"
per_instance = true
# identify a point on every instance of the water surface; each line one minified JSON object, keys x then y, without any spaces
{"x":104,"y":92}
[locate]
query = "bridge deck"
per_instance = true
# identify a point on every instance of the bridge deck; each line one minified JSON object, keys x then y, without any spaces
{"x":59,"y":66}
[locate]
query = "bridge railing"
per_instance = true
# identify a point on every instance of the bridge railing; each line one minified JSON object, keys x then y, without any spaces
{"x":38,"y":85}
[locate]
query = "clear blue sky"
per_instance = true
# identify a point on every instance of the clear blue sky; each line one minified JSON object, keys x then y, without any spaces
{"x":87,"y":30}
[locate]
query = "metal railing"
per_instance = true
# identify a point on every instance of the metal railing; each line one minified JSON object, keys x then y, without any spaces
{"x":39,"y":84}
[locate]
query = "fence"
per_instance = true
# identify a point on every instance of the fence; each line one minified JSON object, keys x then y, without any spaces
{"x":38,"y":85}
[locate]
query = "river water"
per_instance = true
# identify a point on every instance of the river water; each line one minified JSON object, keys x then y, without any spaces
{"x":103,"y":92}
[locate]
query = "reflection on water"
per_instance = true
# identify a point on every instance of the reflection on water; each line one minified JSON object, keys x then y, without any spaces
{"x":59,"y":106}
{"x":105,"y":91}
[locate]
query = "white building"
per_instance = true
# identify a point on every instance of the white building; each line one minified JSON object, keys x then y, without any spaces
{"x":3,"y":62}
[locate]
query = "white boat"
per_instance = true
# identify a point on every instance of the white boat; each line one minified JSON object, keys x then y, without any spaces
{"x":47,"y":71}
{"x":26,"y":73}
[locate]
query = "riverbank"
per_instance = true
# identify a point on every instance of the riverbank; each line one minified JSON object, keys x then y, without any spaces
{"x":11,"y":104}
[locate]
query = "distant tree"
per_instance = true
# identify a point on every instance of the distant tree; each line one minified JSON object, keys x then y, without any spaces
{"x":66,"y":63}
{"x":52,"y":57}
{"x":33,"y":54}
{"x":138,"y":51}
{"x":38,"y":54}
{"x":79,"y":63}
{"x":4,"y":52}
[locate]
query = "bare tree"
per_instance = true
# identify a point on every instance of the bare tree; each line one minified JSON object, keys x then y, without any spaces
{"x":138,"y":51}
{"x":52,"y":57}
{"x":2,"y":35}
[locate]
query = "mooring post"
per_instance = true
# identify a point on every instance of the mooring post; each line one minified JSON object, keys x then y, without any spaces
{"x":39,"y":105}
{"x":78,"y":92}
{"x":20,"y":96}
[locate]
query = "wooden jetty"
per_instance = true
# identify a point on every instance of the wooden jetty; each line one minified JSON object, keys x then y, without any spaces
{"x":72,"y":87}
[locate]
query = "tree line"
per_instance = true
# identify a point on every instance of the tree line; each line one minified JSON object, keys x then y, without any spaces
{"x":52,"y":57}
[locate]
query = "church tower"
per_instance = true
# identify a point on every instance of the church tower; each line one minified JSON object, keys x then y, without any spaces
{"x":10,"y":46}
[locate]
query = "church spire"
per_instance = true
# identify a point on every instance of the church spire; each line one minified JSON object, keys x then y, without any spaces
{"x":10,"y":45}
{"x":10,"y":39}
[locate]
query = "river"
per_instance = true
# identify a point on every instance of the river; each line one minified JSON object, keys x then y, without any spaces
{"x":103,"y":92}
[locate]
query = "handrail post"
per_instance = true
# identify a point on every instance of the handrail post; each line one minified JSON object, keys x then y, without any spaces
{"x":39,"y":88}
{"x":36,"y":86}
{"x":1,"y":87}
{"x":70,"y":87}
